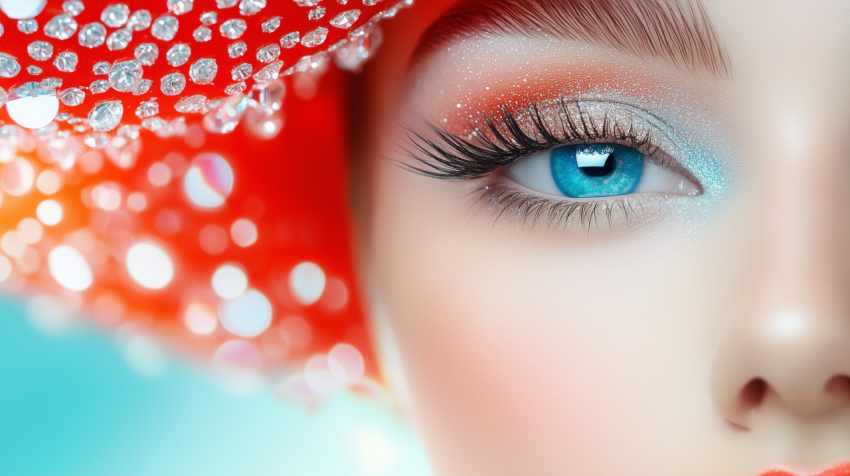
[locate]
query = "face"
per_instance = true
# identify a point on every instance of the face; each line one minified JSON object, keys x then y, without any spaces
{"x":614,"y":251}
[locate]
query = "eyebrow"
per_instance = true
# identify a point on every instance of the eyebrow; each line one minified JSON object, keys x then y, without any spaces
{"x":679,"y":31}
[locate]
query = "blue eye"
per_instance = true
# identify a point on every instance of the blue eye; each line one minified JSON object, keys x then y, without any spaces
{"x":597,"y":170}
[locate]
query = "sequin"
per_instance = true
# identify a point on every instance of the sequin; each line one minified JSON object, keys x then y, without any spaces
{"x":27,"y":26}
{"x":237,"y":49}
{"x":191,"y":104}
{"x":251,"y":7}
{"x":178,"y":54}
{"x":346,"y":19}
{"x":66,"y":61}
{"x":290,"y":40}
{"x":164,"y":28}
{"x":40,"y":50}
{"x":241,"y":72}
{"x":101,"y":67}
{"x":9,"y":67}
{"x":61,"y":27}
{"x":73,"y":7}
{"x":105,"y":117}
{"x":202,"y":34}
{"x":315,"y":37}
{"x":72,"y":96}
{"x":271,"y":25}
{"x":147,"y":109}
{"x":317,"y":13}
{"x":209,"y":18}
{"x":180,"y":7}
{"x":125,"y":76}
{"x":172,"y":84}
{"x":115,"y":15}
{"x":233,"y":29}
{"x":203,"y":71}
{"x":98,"y":87}
{"x":92,"y":35}
{"x":268,"y":53}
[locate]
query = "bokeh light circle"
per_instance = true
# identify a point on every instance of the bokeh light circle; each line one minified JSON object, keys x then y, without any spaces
{"x":249,"y":315}
{"x":69,"y":268}
{"x":209,"y":181}
{"x":150,"y":266}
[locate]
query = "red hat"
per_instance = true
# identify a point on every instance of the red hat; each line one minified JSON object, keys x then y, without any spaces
{"x":154,"y":178}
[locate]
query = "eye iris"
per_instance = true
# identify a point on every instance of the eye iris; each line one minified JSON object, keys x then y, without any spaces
{"x":598,"y":170}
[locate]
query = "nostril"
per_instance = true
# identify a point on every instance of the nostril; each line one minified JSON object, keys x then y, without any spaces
{"x":838,"y":386}
{"x":752,"y":394}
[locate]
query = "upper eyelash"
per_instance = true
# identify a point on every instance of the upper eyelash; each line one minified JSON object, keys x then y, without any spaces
{"x":504,"y":141}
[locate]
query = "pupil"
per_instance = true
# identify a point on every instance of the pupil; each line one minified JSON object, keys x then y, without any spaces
{"x":606,"y":169}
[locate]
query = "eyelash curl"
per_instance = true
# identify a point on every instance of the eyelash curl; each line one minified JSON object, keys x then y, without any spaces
{"x":504,"y":140}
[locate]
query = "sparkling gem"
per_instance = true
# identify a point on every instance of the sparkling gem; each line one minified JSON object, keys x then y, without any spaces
{"x":241,"y":72}
{"x":92,"y":35}
{"x":315,"y":37}
{"x":164,"y":28}
{"x":147,"y":53}
{"x":34,"y":70}
{"x":154,"y":124}
{"x":125,"y":76}
{"x":51,"y":82}
{"x":203,"y":71}
{"x":115,"y":15}
{"x":73,"y":7}
{"x":40,"y":50}
{"x":101,"y":67}
{"x":233,"y":29}
{"x":307,"y":3}
{"x":268,"y":73}
{"x":172,"y":84}
{"x":27,"y":26}
{"x":178,"y":54}
{"x":179,"y":7}
{"x":370,"y":3}
{"x":226,"y":3}
{"x":224,"y":119}
{"x":191,"y":104}
{"x":268,"y":53}
{"x":1,"y":30}
{"x":2,"y":97}
{"x":143,"y":87}
{"x":290,"y":39}
{"x":316,"y":13}
{"x":251,"y":7}
{"x":346,"y":19}
{"x":209,"y":18}
{"x":237,"y":49}
{"x":72,"y":96}
{"x":105,"y":117}
{"x":235,"y":88}
{"x":99,"y":86}
{"x":271,"y":97}
{"x":351,"y":55}
{"x":119,"y":39}
{"x":147,"y":109}
{"x":61,"y":27}
{"x":202,"y":34}
{"x":271,"y":25}
{"x":66,"y":61}
{"x":139,"y":20}
{"x":342,"y":2}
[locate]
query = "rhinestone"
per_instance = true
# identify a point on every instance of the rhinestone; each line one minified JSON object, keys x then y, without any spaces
{"x":164,"y":28}
{"x":233,"y":29}
{"x":307,"y":3}
{"x":147,"y":109}
{"x":51,"y":82}
{"x":179,"y":7}
{"x":125,"y":76}
{"x":99,"y":86}
{"x":72,"y":96}
{"x":1,"y":30}
{"x":235,"y":88}
{"x":146,"y":53}
{"x":316,"y":14}
{"x":139,"y":20}
{"x":61,"y":27}
{"x":315,"y":37}
{"x":241,"y":72}
{"x":40,"y":50}
{"x":73,"y":7}
{"x":346,"y":19}
{"x":271,"y":97}
{"x":268,"y":73}
{"x":202,"y":34}
{"x":101,"y":67}
{"x":178,"y":54}
{"x":33,"y":70}
{"x":143,"y":87}
{"x":191,"y":104}
{"x":370,"y":3}
{"x":290,"y":39}
{"x":105,"y":117}
{"x":203,"y":71}
{"x":271,"y":25}
{"x":268,"y":53}
{"x":209,"y":18}
{"x":342,"y":2}
{"x":172,"y":84}
{"x":237,"y":49}
{"x":3,"y":97}
{"x":225,"y":117}
{"x":66,"y":61}
{"x":92,"y":35}
{"x":62,"y":117}
{"x":115,"y":15}
{"x":154,"y":124}
{"x":225,"y":3}
{"x":27,"y":26}
{"x":251,"y":7}
{"x":119,"y":39}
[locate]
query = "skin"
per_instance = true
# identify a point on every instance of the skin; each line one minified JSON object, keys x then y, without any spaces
{"x":625,"y":348}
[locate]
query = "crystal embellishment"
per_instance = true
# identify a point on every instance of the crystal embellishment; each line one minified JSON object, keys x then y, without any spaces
{"x":9,"y":67}
{"x":73,"y":7}
{"x":233,"y":29}
{"x":143,"y":87}
{"x":139,"y":20}
{"x":235,"y":88}
{"x":269,"y":73}
{"x":180,"y":7}
{"x":147,"y":53}
{"x":147,"y":109}
{"x":178,"y":54}
{"x":242,"y":72}
{"x":72,"y":96}
{"x":101,"y":67}
{"x":34,"y":70}
{"x":251,"y":7}
{"x":125,"y":76}
{"x":92,"y":35}
{"x":192,"y":104}
{"x":268,"y":53}
{"x":172,"y":84}
{"x":271,"y":25}
{"x":226,"y":3}
{"x":119,"y":39}
{"x":40,"y":50}
{"x":316,"y":13}
{"x":27,"y":26}
{"x":209,"y":18}
{"x":105,"y":117}
{"x":51,"y":83}
{"x":164,"y":28}
{"x":315,"y":37}
{"x":66,"y":61}
{"x":115,"y":15}
{"x":290,"y":40}
{"x":237,"y":49}
{"x":61,"y":27}
{"x":99,"y":87}
{"x":202,"y":34}
{"x":203,"y":71}
{"x":346,"y":19}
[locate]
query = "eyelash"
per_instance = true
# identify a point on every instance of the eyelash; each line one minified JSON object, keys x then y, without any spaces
{"x":504,"y":142}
